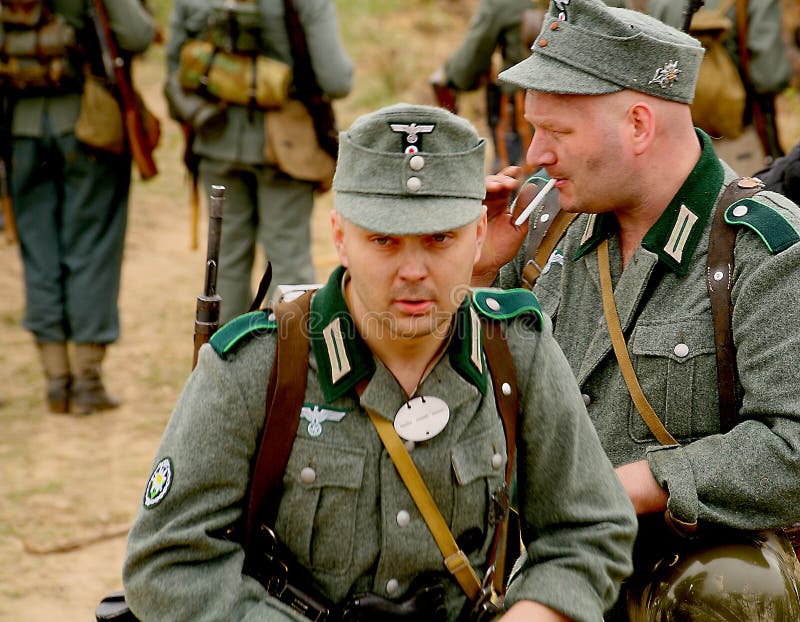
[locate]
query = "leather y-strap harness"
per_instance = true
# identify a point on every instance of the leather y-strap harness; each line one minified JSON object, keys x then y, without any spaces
{"x":285,"y":395}
{"x":719,"y":280}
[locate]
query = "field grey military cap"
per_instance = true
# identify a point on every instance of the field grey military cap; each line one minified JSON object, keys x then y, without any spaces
{"x":587,"y":48}
{"x":409,"y":170}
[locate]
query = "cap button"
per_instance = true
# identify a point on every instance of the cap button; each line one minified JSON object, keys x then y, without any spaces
{"x":554,"y":26}
{"x":413,"y":184}
{"x":542,"y":43}
{"x":416,"y":162}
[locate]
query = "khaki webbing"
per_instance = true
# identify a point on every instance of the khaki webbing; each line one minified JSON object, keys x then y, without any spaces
{"x":621,"y":351}
{"x":454,"y":558}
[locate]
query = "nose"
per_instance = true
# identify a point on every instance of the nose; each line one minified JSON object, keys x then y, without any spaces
{"x":413,"y":265}
{"x":540,"y":152}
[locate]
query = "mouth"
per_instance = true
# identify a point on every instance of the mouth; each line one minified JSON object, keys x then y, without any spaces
{"x":414,"y":307}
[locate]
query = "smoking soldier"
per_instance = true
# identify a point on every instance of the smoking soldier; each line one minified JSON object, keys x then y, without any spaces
{"x":690,"y":392}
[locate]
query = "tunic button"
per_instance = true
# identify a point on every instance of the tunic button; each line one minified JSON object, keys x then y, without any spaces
{"x":681,"y":350}
{"x":586,"y":399}
{"x":308,"y":475}
{"x":403,"y":518}
{"x":492,"y":304}
{"x":392,"y":585}
{"x":740,"y":210}
{"x":410,"y":445}
{"x":416,"y":162}
{"x":506,"y":389}
{"x":497,"y":461}
{"x":413,"y":184}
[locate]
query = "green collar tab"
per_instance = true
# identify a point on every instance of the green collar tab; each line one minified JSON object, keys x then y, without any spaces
{"x":344,"y":359}
{"x":770,"y":225}
{"x":240,"y":330}
{"x":675,"y":235}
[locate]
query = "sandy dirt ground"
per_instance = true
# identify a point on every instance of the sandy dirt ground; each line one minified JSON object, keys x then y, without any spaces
{"x":70,"y":486}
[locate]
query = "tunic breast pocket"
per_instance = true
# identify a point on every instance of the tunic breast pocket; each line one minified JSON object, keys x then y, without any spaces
{"x":479,"y":465}
{"x":676,"y":366}
{"x":316,"y":518}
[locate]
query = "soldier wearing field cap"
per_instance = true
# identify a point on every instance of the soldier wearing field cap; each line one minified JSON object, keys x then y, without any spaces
{"x":700,"y":419}
{"x":395,"y":341}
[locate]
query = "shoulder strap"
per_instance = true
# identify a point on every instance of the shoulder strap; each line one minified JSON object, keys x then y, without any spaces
{"x":506,"y":396}
{"x":549,"y":225}
{"x":285,"y":393}
{"x":719,"y":278}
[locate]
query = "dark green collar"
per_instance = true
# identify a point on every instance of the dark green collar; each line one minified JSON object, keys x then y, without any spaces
{"x":344,"y":359}
{"x":675,"y":235}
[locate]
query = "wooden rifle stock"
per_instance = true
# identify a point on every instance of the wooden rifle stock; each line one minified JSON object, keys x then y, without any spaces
{"x":206,"y":320}
{"x":10,"y":225}
{"x":139,"y":137}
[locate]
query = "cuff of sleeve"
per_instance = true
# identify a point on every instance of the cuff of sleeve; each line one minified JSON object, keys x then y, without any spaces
{"x":579,"y":601}
{"x":673,"y":471}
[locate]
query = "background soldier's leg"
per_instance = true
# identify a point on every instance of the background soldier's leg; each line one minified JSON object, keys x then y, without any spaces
{"x":96,"y":186}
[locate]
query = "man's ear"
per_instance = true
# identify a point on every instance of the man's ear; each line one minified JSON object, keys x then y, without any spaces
{"x":642,"y":124}
{"x":337,"y":230}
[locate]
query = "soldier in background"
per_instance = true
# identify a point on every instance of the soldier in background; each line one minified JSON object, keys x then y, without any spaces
{"x":507,"y":26}
{"x":70,"y":199}
{"x":264,"y":204}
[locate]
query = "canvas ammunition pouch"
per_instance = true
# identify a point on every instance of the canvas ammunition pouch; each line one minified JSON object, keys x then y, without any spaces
{"x":100,"y":122}
{"x":291,"y":145}
{"x":228,"y":64}
{"x":243,"y":79}
{"x":720,"y":96}
{"x":36,"y":49}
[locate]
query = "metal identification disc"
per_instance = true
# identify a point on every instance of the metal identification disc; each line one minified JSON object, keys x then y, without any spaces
{"x":421,"y":418}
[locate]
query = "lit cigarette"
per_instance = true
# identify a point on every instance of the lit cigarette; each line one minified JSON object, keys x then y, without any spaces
{"x":536,"y":202}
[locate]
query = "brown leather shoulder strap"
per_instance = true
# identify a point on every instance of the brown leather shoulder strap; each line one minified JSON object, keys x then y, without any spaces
{"x":506,"y":395}
{"x":719,"y":278}
{"x":549,"y":224}
{"x":285,"y":393}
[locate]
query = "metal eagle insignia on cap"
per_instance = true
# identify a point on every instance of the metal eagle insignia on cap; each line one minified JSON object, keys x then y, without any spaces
{"x":412,"y":133}
{"x":666,"y":75}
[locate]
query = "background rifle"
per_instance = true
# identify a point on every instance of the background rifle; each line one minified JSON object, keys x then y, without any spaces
{"x":692,"y":6}
{"x":206,"y":320}
{"x":10,"y":227}
{"x":306,"y":85}
{"x":118,"y":74}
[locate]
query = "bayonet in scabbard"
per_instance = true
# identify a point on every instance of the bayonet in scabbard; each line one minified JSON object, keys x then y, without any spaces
{"x":208,"y":303}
